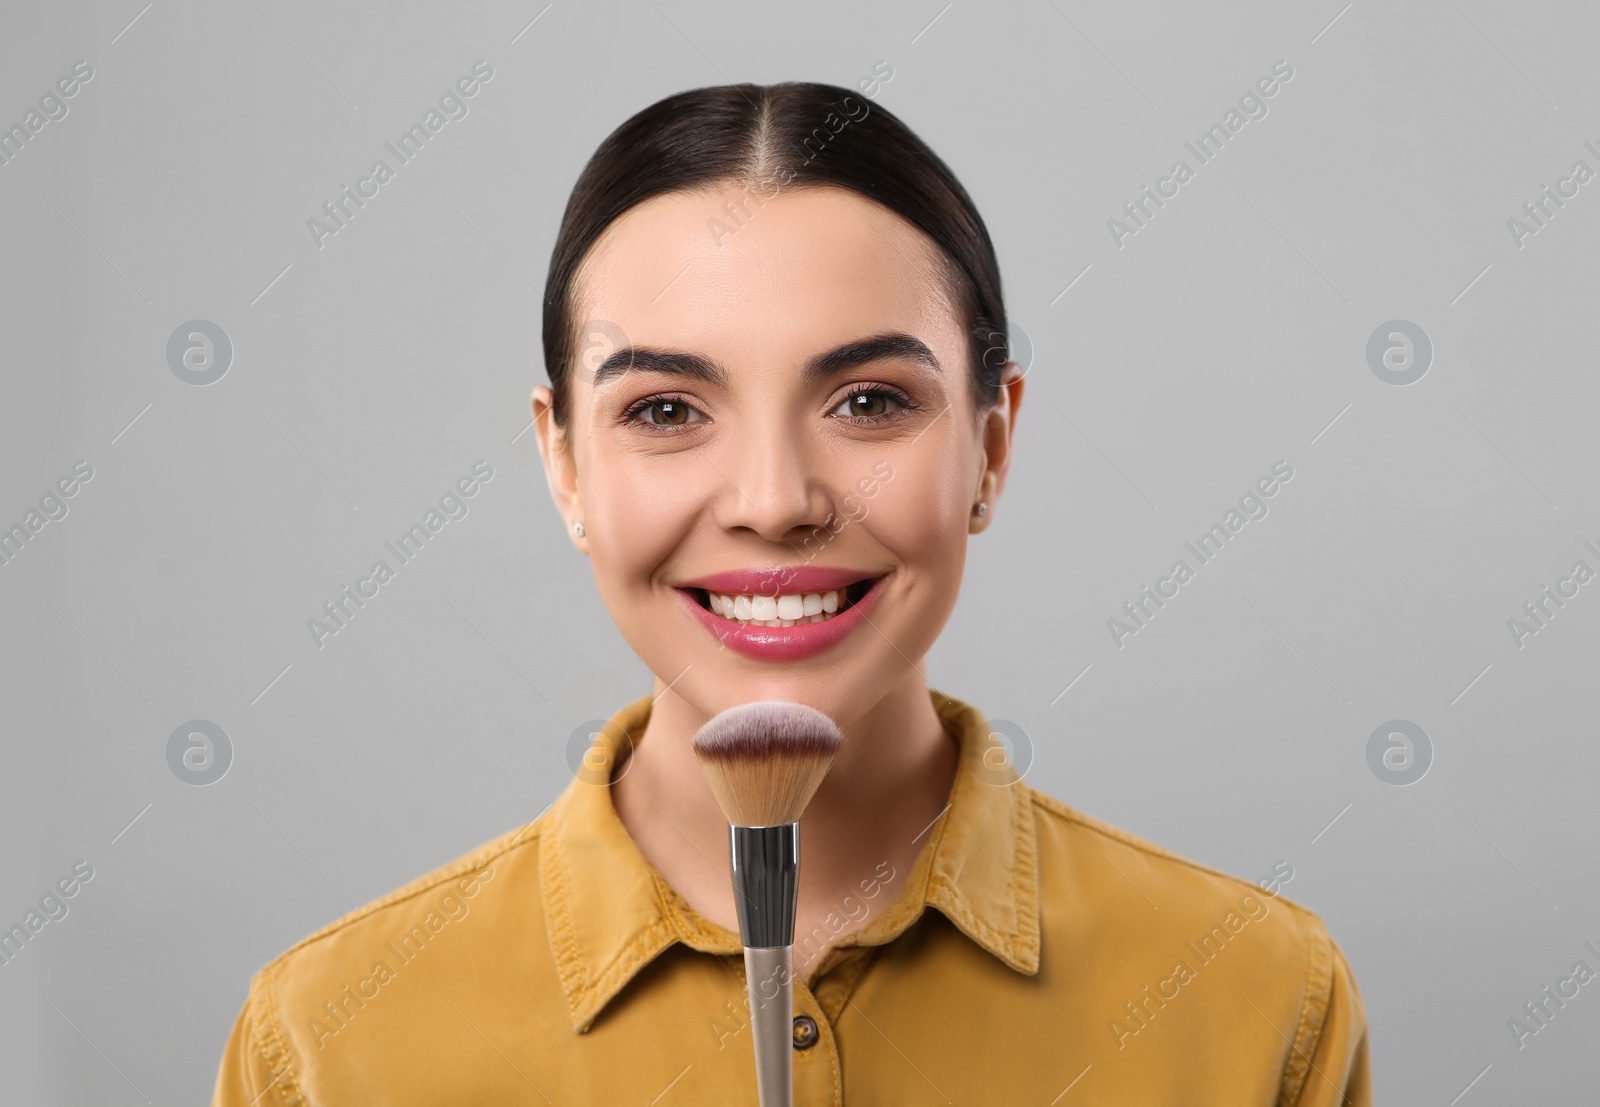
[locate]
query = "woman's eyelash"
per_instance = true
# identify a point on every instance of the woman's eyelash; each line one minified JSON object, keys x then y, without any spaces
{"x":631,"y":417}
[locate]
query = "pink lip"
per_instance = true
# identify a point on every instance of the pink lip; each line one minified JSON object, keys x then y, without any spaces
{"x":783,"y":643}
{"x":778,"y":581}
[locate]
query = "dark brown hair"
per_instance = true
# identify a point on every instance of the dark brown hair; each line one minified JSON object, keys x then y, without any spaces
{"x":776,"y":137}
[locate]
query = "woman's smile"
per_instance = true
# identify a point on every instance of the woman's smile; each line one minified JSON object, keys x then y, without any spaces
{"x":784,"y":613}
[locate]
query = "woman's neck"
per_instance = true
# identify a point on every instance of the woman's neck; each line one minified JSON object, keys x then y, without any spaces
{"x":890,"y":780}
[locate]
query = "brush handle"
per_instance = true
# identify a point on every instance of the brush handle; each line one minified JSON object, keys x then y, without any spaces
{"x":765,"y":862}
{"x":770,"y":978}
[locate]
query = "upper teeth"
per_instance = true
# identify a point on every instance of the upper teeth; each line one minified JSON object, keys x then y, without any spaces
{"x":808,"y":607}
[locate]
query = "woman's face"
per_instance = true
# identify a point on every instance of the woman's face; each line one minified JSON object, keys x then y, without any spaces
{"x":770,"y":414}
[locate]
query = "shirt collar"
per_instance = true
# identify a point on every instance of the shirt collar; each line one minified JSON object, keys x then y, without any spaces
{"x":609,"y":913}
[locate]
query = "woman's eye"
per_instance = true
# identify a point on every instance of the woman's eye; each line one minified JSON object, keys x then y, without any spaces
{"x":871,"y":404}
{"x":662,"y":411}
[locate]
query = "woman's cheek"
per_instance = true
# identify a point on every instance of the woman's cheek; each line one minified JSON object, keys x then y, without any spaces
{"x":639,"y":514}
{"x":924,"y":509}
{"x":636,"y":523}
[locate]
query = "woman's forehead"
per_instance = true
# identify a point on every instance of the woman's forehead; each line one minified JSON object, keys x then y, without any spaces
{"x":770,"y":274}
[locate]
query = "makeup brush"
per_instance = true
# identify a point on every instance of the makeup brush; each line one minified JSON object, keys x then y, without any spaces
{"x":764,"y":761}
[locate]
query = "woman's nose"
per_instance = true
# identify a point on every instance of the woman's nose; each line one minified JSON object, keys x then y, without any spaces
{"x":776,"y":489}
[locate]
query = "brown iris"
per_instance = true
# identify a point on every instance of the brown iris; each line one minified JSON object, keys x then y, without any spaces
{"x":869,"y":399}
{"x":671,"y":413}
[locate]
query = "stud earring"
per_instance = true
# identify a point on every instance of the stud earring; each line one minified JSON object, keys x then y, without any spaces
{"x":981,"y":509}
{"x":577,"y":528}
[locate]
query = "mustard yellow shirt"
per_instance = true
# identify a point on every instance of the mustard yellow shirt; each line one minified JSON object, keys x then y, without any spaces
{"x":1063,"y":962}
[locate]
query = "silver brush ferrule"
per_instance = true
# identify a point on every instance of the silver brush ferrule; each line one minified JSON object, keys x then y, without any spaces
{"x":766,"y":863}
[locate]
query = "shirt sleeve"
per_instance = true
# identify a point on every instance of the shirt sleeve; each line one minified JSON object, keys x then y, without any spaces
{"x":248,"y":1076}
{"x":1340,"y":1072}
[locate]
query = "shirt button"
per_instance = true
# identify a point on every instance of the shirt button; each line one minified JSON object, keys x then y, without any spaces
{"x":805,"y":1032}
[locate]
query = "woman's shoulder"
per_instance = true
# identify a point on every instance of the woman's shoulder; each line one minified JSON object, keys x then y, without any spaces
{"x":444,"y":932}
{"x":1131,"y":869}
{"x":1143,"y":924}
{"x":393,"y":930}
{"x":461,"y":878}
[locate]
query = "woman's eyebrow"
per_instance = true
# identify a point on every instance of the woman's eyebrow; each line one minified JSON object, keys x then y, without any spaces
{"x":644,"y":359}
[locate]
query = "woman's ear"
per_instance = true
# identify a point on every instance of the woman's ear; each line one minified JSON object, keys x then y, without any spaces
{"x":560,"y":471}
{"x":998,"y":429}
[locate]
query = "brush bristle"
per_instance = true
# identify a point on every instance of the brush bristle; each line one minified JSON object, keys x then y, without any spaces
{"x":764,"y":760}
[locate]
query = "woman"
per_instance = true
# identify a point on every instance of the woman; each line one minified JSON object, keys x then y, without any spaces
{"x":779,"y":405}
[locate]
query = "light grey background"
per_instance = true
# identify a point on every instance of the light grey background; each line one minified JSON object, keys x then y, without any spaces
{"x":372,"y":372}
